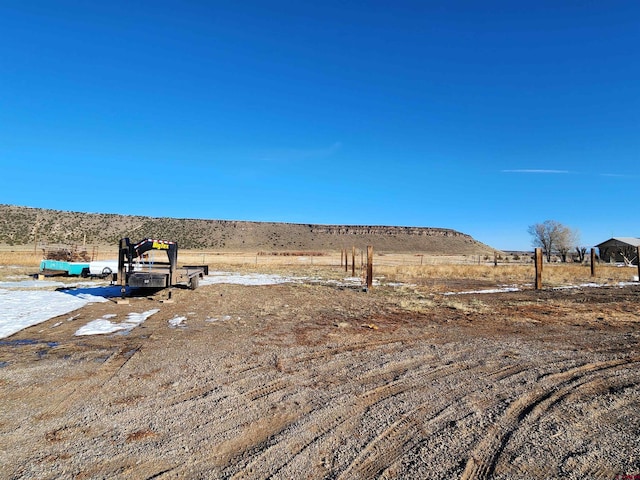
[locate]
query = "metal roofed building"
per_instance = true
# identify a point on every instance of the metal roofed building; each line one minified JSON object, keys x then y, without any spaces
{"x":619,"y":249}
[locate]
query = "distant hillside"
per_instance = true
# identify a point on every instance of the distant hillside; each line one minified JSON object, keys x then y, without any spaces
{"x":24,"y":226}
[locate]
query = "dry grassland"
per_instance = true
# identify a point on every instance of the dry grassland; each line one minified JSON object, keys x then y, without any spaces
{"x":554,"y":275}
{"x":437,"y":272}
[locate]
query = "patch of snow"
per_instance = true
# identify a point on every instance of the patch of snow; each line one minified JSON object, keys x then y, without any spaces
{"x":514,"y":288}
{"x":104,"y":325}
{"x":20,"y":309}
{"x":345,"y":282}
{"x":354,"y":280}
{"x":269,"y":279}
{"x":32,"y":284}
{"x":490,"y":290}
{"x":245,"y":279}
{"x":595,"y":285}
{"x":216,"y":319}
{"x":176,"y":321}
{"x":98,"y":327}
{"x":23,"y":284}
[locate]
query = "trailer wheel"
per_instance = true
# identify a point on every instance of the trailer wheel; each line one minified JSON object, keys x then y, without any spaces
{"x":193,"y":283}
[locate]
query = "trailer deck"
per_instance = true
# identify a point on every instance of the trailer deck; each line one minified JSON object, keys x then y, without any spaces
{"x":136,"y":268}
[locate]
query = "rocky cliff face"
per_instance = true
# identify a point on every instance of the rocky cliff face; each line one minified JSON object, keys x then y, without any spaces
{"x":384,"y":231}
{"x":24,"y":226}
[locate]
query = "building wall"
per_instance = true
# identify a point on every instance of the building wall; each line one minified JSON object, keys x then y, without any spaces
{"x":615,"y":252}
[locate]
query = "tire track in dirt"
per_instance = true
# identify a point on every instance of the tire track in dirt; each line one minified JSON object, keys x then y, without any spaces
{"x":292,"y":364}
{"x":267,"y":389}
{"x":264,"y":447}
{"x":409,"y":432}
{"x":484,"y":457}
{"x":250,"y":442}
{"x":247,"y":442}
{"x":69,"y":393}
{"x":123,"y":467}
{"x":411,"y":429}
{"x":250,"y":373}
{"x":610,"y":380}
{"x":255,"y":374}
{"x":195,"y":394}
{"x":328,"y":422}
{"x":322,"y":422}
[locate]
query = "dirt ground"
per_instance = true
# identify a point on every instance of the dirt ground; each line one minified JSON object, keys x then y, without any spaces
{"x":317,"y":381}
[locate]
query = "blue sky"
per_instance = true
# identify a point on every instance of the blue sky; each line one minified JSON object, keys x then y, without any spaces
{"x":484,"y":117}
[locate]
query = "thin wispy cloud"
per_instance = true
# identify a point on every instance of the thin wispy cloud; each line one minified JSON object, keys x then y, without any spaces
{"x":535,"y":170}
{"x":541,"y":171}
{"x":617,"y":175}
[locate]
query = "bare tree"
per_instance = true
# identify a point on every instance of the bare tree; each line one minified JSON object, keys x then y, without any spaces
{"x":568,"y":238}
{"x":552,"y":236}
{"x":628,"y":255}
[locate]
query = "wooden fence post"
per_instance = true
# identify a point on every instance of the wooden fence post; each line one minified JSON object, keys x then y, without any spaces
{"x":593,"y":262}
{"x":369,"y":267}
{"x":638,"y":255}
{"x":495,"y":258}
{"x":341,"y":257}
{"x":353,"y":261}
{"x":538,"y":268}
{"x":346,"y":260}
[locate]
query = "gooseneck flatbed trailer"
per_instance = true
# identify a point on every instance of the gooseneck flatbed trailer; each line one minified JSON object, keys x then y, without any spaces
{"x":137,"y":268}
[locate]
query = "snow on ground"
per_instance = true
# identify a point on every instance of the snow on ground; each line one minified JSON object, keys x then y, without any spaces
{"x":26,"y":303}
{"x":345,"y":282}
{"x":489,"y":290}
{"x":514,"y":288}
{"x":246,"y":279}
{"x":216,"y":319}
{"x":105,"y":325}
{"x":20,"y":309}
{"x":595,"y":285}
{"x":22,"y":284}
{"x":177,"y":321}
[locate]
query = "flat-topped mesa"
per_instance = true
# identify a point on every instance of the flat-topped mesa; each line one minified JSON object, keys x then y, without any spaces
{"x":30,"y":226}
